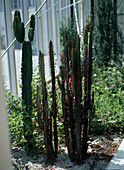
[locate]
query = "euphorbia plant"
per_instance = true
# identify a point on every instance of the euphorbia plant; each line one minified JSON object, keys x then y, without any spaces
{"x":26,"y":73}
{"x":49,"y":122}
{"x":77,"y":101}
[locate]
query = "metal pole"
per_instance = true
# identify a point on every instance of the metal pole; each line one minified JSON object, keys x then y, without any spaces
{"x":75,"y":11}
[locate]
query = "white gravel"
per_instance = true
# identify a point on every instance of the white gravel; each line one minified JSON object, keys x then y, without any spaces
{"x":97,"y":159}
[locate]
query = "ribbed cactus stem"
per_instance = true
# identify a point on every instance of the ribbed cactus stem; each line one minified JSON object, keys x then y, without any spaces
{"x":90,"y":68}
{"x":27,"y":89}
{"x":47,"y":134}
{"x":75,"y":67}
{"x":64,"y":108}
{"x":54,"y":105}
{"x":70,"y":102}
{"x":26,"y":72}
{"x":18,"y":27}
{"x":38,"y":105}
{"x":76,"y":114}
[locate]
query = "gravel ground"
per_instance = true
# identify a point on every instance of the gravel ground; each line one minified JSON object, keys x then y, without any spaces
{"x":100,"y":151}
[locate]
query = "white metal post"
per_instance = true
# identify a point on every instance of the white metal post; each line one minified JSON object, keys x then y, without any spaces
{"x":58,"y":32}
{"x":76,"y":18}
{"x":39,"y":26}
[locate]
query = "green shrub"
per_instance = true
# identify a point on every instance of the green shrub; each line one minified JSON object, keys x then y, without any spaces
{"x":15,"y":117}
{"x":109,"y":100}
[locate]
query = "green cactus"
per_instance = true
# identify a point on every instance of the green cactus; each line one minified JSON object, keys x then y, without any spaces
{"x":47,"y":139}
{"x":39,"y":109}
{"x":49,"y":117}
{"x":76,"y":110}
{"x":54,"y":104}
{"x":26,"y":73}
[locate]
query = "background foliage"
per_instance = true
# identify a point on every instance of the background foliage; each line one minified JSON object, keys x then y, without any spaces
{"x":109,"y":100}
{"x":108,"y":38}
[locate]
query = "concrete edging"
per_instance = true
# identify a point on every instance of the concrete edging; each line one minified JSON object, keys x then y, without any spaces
{"x":117,"y":162}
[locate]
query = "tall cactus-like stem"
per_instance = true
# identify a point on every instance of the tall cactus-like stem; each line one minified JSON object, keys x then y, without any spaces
{"x":26,"y":72}
{"x":64,"y":108}
{"x":87,"y":85}
{"x":49,"y":116}
{"x":47,"y":134}
{"x":54,"y":105}
{"x":38,"y":104}
{"x":77,"y":110}
{"x":75,"y":70}
{"x":70,"y":101}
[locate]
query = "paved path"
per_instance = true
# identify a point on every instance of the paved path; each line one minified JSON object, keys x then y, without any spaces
{"x":117,"y":162}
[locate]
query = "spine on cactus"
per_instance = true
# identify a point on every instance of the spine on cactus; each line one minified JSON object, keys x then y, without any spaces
{"x":26,"y":72}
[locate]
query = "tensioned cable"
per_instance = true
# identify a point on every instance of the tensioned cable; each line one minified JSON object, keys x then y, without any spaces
{"x":73,"y":4}
{"x":24,"y":27}
{"x":69,"y":5}
{"x":49,"y":8}
{"x":38,"y":17}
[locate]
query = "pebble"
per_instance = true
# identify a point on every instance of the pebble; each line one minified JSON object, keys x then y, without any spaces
{"x":95,"y":161}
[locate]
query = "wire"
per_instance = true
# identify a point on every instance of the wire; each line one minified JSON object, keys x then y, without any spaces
{"x":24,"y":27}
{"x":39,"y":17}
{"x":69,"y":5}
{"x":49,"y":9}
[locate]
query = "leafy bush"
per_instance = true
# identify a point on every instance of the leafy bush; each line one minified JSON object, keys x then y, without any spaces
{"x":109,"y":96}
{"x":15,"y":117}
{"x":14,"y":112}
{"x":69,"y":27}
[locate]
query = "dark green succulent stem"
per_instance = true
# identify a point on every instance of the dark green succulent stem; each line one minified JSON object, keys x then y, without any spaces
{"x":54,"y":105}
{"x":87,"y":85}
{"x":70,"y":101}
{"x":49,"y":117}
{"x":47,"y":134}
{"x":26,"y":72}
{"x":77,"y":111}
{"x":85,"y":106}
{"x":27,"y":90}
{"x":90,"y":65}
{"x":75,"y":70}
{"x":64,"y":108}
{"x":38,"y":104}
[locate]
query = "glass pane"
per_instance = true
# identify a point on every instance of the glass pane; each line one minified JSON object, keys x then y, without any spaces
{"x":34,"y":43}
{"x":18,"y":46}
{"x":4,"y":60}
